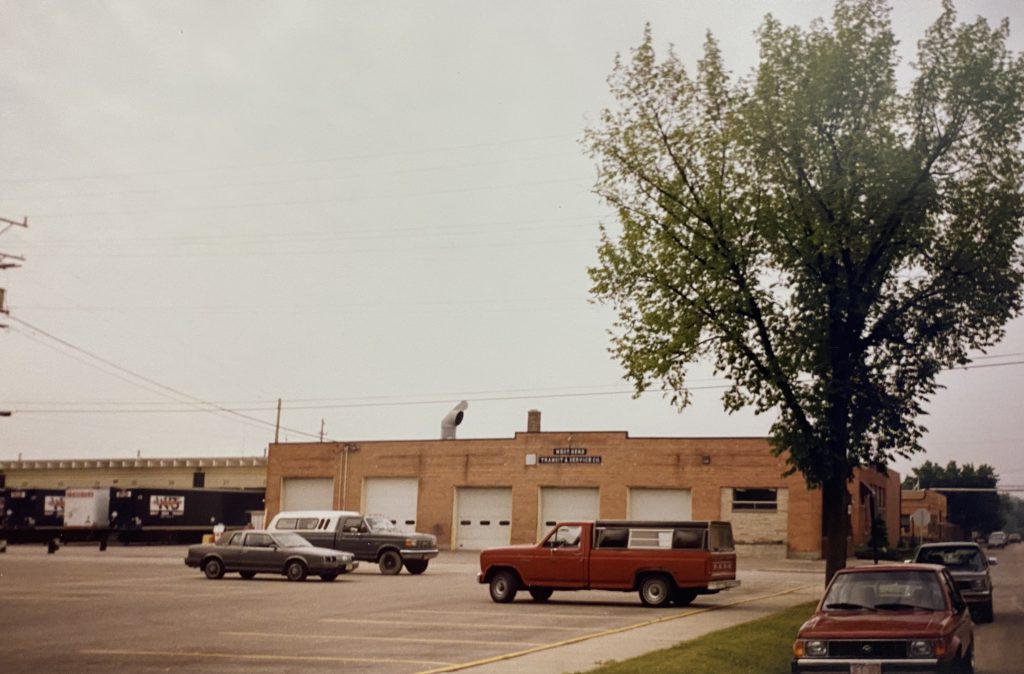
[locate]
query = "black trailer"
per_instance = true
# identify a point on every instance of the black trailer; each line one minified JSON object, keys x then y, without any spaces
{"x":179,"y":515}
{"x":32,"y":515}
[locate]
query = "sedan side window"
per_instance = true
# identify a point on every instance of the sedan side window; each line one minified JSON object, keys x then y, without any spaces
{"x":258,"y":541}
{"x":236,"y":538}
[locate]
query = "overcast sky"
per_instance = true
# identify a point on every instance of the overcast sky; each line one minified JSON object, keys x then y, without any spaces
{"x":370,"y":210}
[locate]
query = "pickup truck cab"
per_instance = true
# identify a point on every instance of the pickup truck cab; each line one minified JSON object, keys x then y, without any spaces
{"x":666,"y":562}
{"x":371,"y":538}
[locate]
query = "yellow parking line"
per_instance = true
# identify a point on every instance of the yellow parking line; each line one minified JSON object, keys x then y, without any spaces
{"x":605,"y":633}
{"x":253,"y":656}
{"x":349,"y":637}
{"x":477,"y":626}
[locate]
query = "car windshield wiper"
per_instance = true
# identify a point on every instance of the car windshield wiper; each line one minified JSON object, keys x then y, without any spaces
{"x":897,"y":606}
{"x":847,"y":606}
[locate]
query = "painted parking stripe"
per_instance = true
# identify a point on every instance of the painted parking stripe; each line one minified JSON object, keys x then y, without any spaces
{"x":350,"y":637}
{"x":536,"y":614}
{"x":256,"y":657}
{"x":475,"y":626}
{"x":609,"y":632}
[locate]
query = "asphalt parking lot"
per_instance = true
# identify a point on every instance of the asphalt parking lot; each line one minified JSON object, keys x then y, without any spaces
{"x":140,"y":609}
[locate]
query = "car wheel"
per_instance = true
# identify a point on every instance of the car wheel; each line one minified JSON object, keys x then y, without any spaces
{"x":416,"y":566}
{"x":504,"y":586}
{"x":683,"y":597}
{"x":247,"y":575}
{"x":213,"y":568}
{"x":295,"y":570}
{"x":390,"y":563}
{"x":986,"y":614}
{"x":655,"y":591}
{"x":328,"y":577}
{"x":541,"y":593}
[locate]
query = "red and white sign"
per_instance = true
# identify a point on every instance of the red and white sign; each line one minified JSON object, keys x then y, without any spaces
{"x":166,"y":506}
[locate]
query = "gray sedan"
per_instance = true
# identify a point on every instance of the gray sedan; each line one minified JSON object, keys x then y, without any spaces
{"x":251,"y":552}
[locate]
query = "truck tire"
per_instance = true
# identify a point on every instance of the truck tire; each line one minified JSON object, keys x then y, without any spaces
{"x":295,"y":571}
{"x":504,"y":586}
{"x":390,"y":563}
{"x":683,"y":597}
{"x":213,"y":568}
{"x":986,"y":613}
{"x":416,"y":566}
{"x":541,"y":593}
{"x":655,"y":591}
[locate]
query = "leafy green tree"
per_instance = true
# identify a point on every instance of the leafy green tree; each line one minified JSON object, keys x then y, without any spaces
{"x":1012,"y":508}
{"x":971,"y":511}
{"x":828,"y":240}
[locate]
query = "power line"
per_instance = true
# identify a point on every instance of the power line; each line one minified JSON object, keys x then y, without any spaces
{"x":215,"y":407}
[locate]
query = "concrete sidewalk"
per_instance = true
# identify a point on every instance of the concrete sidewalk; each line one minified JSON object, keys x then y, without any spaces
{"x":590,"y":651}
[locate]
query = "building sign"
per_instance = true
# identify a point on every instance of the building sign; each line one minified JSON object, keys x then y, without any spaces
{"x":166,"y":506}
{"x":569,"y":455}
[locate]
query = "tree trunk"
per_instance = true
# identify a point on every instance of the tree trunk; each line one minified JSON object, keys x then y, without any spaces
{"x":834,"y":499}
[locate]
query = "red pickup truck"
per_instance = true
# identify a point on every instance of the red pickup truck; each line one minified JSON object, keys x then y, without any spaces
{"x":666,"y":562}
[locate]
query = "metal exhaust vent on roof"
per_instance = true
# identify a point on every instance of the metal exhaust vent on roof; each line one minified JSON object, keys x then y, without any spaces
{"x":453,"y":419}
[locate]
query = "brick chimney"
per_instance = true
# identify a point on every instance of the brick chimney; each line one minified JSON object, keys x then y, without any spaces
{"x":533,"y":421}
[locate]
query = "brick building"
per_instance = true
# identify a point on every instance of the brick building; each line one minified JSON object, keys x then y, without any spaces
{"x":472,"y":493}
{"x":938,"y":527}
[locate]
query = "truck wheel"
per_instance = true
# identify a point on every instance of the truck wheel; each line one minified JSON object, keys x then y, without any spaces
{"x":390,"y":563}
{"x":541,"y":593}
{"x":683,"y":597}
{"x":986,"y":614}
{"x":416,"y":566}
{"x":247,"y":575}
{"x":504,"y":586}
{"x":295,"y":570}
{"x":213,"y":568}
{"x":655,"y":591}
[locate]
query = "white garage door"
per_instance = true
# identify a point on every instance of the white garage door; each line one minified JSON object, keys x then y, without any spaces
{"x":483,"y":517}
{"x":307,"y":493}
{"x":393,"y":497}
{"x":659,"y":504}
{"x":558,"y":504}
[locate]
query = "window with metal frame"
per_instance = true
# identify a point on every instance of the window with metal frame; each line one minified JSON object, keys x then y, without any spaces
{"x":755,"y":499}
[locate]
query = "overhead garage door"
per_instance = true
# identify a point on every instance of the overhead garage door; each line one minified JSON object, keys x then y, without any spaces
{"x":307,"y":493}
{"x":394,"y":497}
{"x":659,"y":504}
{"x":483,"y":517}
{"x":567,"y":503}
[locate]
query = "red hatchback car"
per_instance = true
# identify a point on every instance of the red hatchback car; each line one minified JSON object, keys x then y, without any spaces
{"x":888,"y":618}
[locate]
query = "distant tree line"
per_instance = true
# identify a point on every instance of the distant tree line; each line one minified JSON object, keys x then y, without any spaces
{"x":982,"y":512}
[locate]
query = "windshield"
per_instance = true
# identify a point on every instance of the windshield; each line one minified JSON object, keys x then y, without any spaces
{"x":885,"y":591}
{"x":380,"y":524}
{"x":955,"y":557}
{"x":290,"y":541}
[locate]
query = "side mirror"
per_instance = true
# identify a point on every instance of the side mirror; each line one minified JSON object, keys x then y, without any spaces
{"x":992,"y":561}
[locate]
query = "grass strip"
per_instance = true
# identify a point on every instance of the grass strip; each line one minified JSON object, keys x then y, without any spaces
{"x":762,"y":646}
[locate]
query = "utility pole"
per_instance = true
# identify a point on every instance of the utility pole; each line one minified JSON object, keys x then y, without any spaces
{"x":277,"y":425}
{"x":8,"y":261}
